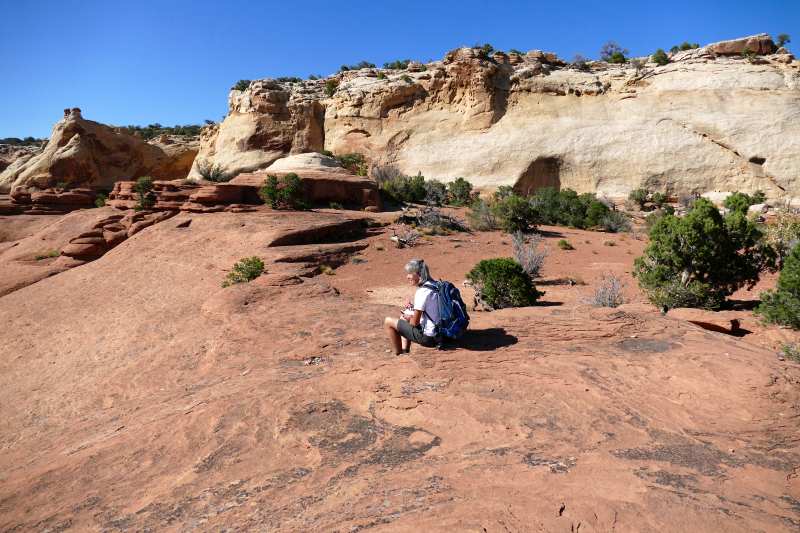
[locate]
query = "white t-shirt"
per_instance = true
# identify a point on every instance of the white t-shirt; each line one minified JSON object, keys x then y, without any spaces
{"x":427,"y":300}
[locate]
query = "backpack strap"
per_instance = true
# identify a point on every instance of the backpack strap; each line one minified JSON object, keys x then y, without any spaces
{"x":434,"y":287}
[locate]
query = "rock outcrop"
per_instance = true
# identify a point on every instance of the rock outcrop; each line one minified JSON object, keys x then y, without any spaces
{"x":760,"y":44}
{"x":324,"y":181}
{"x":11,"y":154}
{"x":89,"y":154}
{"x":264,"y":124}
{"x":709,"y":121}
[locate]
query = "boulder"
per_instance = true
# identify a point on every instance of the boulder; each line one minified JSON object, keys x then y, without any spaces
{"x":705,"y":53}
{"x":710,"y":320}
{"x":760,"y":44}
{"x":758,"y":208}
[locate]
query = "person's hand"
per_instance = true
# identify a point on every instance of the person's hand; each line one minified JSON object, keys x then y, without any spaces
{"x":405,"y":317}
{"x":409,"y":305}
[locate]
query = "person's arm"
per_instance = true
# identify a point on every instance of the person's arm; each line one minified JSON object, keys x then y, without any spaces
{"x":414,"y":320}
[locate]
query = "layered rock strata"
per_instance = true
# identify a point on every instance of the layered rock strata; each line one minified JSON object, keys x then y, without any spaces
{"x":86,"y":153}
{"x":324,"y":181}
{"x":710,"y":120}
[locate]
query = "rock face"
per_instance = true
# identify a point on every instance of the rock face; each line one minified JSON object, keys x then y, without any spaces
{"x":11,"y":154}
{"x":87,"y":153}
{"x":263,"y":125}
{"x":163,"y":402}
{"x":704,"y":123}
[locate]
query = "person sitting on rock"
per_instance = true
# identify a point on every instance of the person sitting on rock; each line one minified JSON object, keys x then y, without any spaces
{"x":418,"y":320}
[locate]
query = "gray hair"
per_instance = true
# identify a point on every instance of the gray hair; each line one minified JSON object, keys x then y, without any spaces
{"x":418,"y":267}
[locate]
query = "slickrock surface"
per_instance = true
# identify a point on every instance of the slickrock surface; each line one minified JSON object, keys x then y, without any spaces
{"x":136,"y":394}
{"x":87,"y":153}
{"x":705,"y":122}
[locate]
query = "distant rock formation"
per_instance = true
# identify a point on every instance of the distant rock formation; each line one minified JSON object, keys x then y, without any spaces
{"x":10,"y":154}
{"x":710,"y":120}
{"x":86,"y":153}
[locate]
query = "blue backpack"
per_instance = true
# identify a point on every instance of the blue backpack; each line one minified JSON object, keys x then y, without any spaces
{"x":453,"y":317}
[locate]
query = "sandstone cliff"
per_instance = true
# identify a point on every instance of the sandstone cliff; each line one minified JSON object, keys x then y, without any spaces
{"x":87,"y":153}
{"x":709,"y":120}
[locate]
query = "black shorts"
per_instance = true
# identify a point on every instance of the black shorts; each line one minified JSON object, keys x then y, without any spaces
{"x":414,"y":334}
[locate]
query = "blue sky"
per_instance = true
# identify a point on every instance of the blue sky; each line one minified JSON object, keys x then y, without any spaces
{"x":174,"y":62}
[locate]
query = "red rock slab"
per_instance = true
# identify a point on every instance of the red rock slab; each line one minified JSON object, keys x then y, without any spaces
{"x":710,"y":320}
{"x":171,"y":404}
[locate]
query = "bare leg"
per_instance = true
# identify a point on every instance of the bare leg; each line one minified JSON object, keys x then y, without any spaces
{"x":390,"y":324}
{"x":405,"y":343}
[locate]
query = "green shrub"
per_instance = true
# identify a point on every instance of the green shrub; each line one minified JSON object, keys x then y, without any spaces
{"x":397,"y":65}
{"x":758,"y":197}
{"x":660,"y":57}
{"x":503,"y":192}
{"x":658,"y":198}
{"x":358,"y":66}
{"x":791,"y":351}
{"x":337,"y":206}
{"x":245,"y":272}
{"x":405,"y":78}
{"x":215,"y":173}
{"x":504,"y":283}
{"x":288,"y":196}
{"x":330,"y":87}
{"x":737,"y":201}
{"x":783,"y":38}
{"x":481,"y":217}
{"x":701,"y":257}
{"x":48,"y":254}
{"x":564,"y":245}
{"x":515,"y":51}
{"x":416,"y":188}
{"x":683,"y":47}
{"x":460,"y":192}
{"x":381,"y":75}
{"x":618,"y":58}
{"x":563,"y":207}
{"x":284,"y":79}
{"x":595,"y":213}
{"x":242,"y":85}
{"x":99,"y":202}
{"x":639,"y":196}
{"x":354,"y":162}
{"x":782,"y":306}
{"x":435,"y":192}
{"x":516,"y":214}
{"x":144,"y":192}
{"x":667,"y":210}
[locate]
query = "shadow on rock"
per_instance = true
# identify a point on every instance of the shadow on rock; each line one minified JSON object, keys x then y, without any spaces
{"x":485,"y":339}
